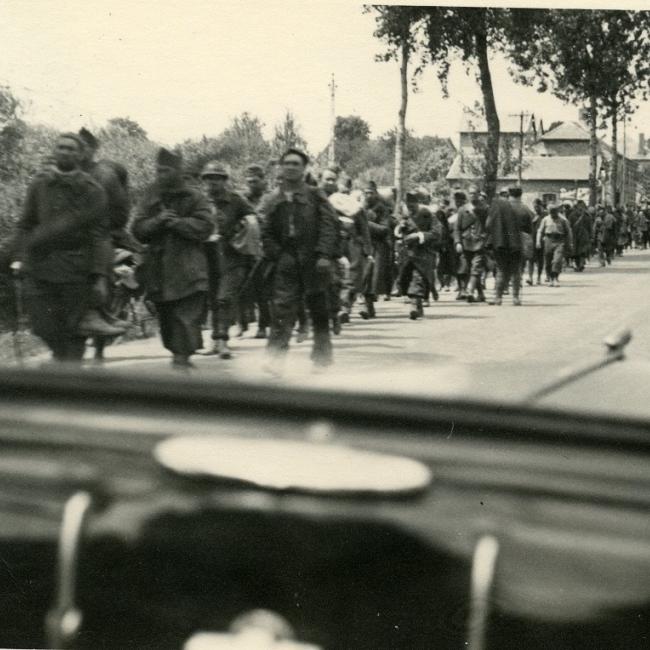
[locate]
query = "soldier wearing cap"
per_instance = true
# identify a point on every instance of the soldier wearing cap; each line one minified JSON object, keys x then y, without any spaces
{"x":238,"y":245}
{"x":299,"y":241}
{"x":340,"y":286}
{"x":175,"y":220}
{"x":506,"y":224}
{"x":356,"y":248}
{"x":469,"y":239}
{"x":256,"y":188}
{"x":537,"y":261}
{"x":381,"y":225}
{"x":421,"y":233}
{"x":554,"y":234}
{"x":113,"y":177}
{"x":63,"y":246}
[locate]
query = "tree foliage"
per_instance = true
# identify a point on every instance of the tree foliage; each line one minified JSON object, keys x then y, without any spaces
{"x":351,"y":134}
{"x":128,"y":126}
{"x":287,"y":134}
{"x":441,"y":34}
{"x":241,"y":143}
{"x":596,"y":57}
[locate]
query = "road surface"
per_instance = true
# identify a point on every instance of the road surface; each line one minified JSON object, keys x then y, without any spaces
{"x":478,"y":350}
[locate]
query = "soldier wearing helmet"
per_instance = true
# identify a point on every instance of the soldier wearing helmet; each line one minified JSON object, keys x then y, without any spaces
{"x":238,"y":246}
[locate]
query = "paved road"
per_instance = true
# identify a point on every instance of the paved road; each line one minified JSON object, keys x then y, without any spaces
{"x":457,"y":346}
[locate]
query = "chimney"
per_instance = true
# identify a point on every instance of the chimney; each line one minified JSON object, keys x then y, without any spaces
{"x":641,"y":144}
{"x":583,"y":115}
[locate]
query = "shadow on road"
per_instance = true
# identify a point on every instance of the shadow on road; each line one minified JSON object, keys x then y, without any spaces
{"x":142,"y":357}
{"x":632,"y":270}
{"x":352,"y":344}
{"x":547,"y":304}
{"x":448,"y":316}
{"x":381,"y":337}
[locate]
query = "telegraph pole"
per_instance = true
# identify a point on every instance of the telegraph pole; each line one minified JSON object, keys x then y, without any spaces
{"x":521,"y":116}
{"x":331,"y":158}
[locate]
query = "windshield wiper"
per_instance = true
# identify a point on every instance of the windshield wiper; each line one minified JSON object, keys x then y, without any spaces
{"x":615,"y":345}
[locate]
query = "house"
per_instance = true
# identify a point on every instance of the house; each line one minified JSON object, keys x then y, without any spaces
{"x":555,"y":163}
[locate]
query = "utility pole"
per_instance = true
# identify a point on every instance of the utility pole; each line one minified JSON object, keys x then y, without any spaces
{"x":331,"y":158}
{"x":521,"y":116}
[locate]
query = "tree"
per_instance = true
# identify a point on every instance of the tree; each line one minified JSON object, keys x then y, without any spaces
{"x":128,"y":126}
{"x":597,"y":58}
{"x":470,"y":33}
{"x":238,"y":145}
{"x":350,"y":134}
{"x":12,"y":133}
{"x":124,"y":141}
{"x":287,"y":134}
{"x":627,"y":48}
{"x":398,"y":27}
{"x":508,"y":161}
{"x":243,"y":141}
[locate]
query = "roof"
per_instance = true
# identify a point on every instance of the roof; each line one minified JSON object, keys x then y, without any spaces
{"x":567,"y":131}
{"x":508,"y":123}
{"x":537,"y":168}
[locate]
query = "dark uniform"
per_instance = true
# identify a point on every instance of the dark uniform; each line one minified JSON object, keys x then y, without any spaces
{"x":581,"y":228}
{"x":505,"y":224}
{"x":381,"y":226}
{"x":469,"y":232}
{"x":234,"y":263}
{"x":63,"y":240}
{"x":447,"y":259}
{"x":256,"y":289}
{"x":113,"y":178}
{"x":537,"y":261}
{"x":416,"y":273}
{"x":298,"y":231}
{"x":174,"y":270}
{"x":356,"y":248}
{"x":605,"y":236}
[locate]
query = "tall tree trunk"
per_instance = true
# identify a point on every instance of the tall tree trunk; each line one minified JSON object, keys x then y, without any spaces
{"x":401,"y":126}
{"x":614,"y":172}
{"x":491,"y":115}
{"x":593,"y":151}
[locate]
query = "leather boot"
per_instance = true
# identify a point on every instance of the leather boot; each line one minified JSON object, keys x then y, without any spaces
{"x":92,"y":324}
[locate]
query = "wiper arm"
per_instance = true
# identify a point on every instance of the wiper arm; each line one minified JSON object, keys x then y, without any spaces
{"x":615,"y":344}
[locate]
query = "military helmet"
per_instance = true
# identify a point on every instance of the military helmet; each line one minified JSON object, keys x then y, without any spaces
{"x":214,"y":168}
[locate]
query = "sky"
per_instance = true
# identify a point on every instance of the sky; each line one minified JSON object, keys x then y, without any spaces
{"x":185,"y":68}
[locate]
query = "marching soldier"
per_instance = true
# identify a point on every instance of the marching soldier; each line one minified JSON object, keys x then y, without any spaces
{"x":256,"y":184}
{"x":63,"y":246}
{"x":356,"y":247}
{"x":239,"y":245}
{"x":340,"y":284}
{"x":380,"y":224}
{"x":420,"y":232}
{"x":506,"y":224}
{"x":555,"y":235}
{"x":175,"y":221}
{"x":113,"y":178}
{"x":299,"y":241}
{"x":469,"y":238}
